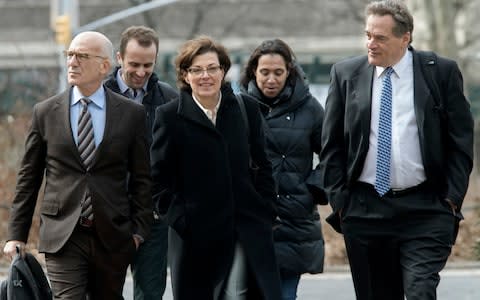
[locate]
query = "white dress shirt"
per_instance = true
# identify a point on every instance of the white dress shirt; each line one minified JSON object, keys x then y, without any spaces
{"x":406,"y":160}
{"x":211,"y":113}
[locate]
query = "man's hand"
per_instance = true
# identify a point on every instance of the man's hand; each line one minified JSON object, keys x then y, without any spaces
{"x":452,"y":205}
{"x":137,"y":241}
{"x":10,"y":248}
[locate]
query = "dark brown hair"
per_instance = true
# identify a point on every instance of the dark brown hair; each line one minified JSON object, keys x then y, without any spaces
{"x":145,"y":37}
{"x":191,"y":49}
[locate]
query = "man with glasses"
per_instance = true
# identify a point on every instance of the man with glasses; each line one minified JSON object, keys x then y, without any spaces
{"x":85,"y":142}
{"x":135,"y":78}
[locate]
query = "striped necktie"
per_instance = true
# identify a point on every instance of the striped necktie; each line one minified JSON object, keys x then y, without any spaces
{"x":86,"y":142}
{"x":86,"y":148}
{"x":382,"y":172}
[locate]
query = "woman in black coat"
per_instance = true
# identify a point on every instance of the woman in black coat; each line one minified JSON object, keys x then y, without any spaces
{"x":293,"y":125}
{"x":220,"y":220}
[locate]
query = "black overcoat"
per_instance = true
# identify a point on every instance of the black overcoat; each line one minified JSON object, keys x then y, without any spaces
{"x":203,"y":186}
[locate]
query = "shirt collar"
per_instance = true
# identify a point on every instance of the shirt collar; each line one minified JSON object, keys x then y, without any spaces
{"x":123,"y":86}
{"x":215,"y":109}
{"x":399,"y":68}
{"x":98,"y":97}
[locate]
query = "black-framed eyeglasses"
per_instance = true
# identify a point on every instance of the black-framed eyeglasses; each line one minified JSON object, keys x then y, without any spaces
{"x":197,"y":71}
{"x":80,"y":56}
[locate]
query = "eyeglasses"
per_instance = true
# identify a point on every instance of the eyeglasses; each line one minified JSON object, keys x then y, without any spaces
{"x":80,"y":56}
{"x":197,"y":71}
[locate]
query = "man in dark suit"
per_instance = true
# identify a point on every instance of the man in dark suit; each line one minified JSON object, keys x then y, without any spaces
{"x":397,"y":159}
{"x":89,"y":228}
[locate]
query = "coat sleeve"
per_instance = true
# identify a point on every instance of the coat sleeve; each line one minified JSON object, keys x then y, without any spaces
{"x":140,"y":180}
{"x":29,"y":180}
{"x":314,"y":181}
{"x":459,"y":147}
{"x":332,"y":154}
{"x":264,"y":183}
{"x":164,"y":155}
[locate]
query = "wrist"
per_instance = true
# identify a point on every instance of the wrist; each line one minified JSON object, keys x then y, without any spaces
{"x":138,"y":238}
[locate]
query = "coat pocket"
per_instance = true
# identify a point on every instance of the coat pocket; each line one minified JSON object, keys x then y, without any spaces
{"x":49,"y":208}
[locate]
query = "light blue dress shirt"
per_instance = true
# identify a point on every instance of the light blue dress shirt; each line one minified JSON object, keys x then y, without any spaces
{"x":124,"y":88}
{"x":97,"y":111}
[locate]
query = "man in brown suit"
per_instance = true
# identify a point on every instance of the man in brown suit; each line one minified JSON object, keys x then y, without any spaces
{"x":89,"y":228}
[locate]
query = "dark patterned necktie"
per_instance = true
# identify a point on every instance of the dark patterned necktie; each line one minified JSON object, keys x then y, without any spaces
{"x":131,"y":93}
{"x":86,"y":148}
{"x":86,"y":142}
{"x":382,"y":178}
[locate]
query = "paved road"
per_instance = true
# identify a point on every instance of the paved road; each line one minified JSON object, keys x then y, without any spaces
{"x":456,"y":284}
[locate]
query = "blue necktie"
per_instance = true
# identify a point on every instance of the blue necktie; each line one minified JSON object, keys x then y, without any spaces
{"x":382,"y":178}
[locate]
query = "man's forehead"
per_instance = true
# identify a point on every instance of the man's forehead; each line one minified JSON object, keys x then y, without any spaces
{"x":379,"y":28}
{"x":85,"y":42}
{"x":82,"y":47}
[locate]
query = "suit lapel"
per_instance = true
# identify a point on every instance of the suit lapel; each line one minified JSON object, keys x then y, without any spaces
{"x":421,"y":94}
{"x":362,"y":96}
{"x":63,"y":107}
{"x":112,"y":116}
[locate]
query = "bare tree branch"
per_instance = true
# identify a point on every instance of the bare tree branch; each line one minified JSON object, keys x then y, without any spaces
{"x":146,"y":14}
{"x":200,"y":14}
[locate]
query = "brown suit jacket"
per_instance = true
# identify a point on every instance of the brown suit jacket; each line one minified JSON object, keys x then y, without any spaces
{"x":51,"y":152}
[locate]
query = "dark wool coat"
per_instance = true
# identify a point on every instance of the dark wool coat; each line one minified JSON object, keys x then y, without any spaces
{"x":203,"y":187}
{"x":293,"y":132}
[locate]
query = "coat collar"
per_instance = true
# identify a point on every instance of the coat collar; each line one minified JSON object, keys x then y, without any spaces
{"x":361,"y":81}
{"x":422,"y":94}
{"x":189,"y":110}
{"x":111,"y":83}
{"x":62,"y":104}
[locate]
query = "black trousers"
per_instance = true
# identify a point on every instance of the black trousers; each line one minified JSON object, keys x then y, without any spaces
{"x":397,"y":244}
{"x":83,"y":267}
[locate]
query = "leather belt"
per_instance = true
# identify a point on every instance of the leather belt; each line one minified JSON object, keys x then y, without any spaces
{"x":395,"y":193}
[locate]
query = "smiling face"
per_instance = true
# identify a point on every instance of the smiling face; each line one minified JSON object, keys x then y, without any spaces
{"x":204,"y":77}
{"x":271,"y":74}
{"x":137,"y":63}
{"x":384,"y":48}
